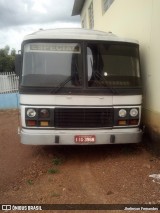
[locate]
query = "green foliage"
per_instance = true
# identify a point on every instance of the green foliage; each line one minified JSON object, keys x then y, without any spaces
{"x":57,"y":161}
{"x":53,"y":171}
{"x":7,"y":59}
{"x":30,"y":182}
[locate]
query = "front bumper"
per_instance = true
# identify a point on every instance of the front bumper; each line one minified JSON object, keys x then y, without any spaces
{"x":66,"y":137}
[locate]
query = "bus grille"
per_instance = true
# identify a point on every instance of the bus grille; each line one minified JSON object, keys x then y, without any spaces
{"x":83,"y":117}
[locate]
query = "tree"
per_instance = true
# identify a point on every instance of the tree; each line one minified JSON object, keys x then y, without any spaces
{"x":13,"y":52}
{"x":7,"y":59}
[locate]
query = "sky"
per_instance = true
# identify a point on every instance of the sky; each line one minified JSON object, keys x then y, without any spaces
{"x":21,"y":17}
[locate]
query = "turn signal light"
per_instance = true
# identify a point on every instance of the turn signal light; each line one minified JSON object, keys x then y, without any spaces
{"x":44,"y":123}
{"x":122,"y":122}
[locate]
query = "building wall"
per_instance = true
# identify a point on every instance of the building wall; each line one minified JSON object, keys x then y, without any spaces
{"x":9,"y":101}
{"x":137,"y":19}
{"x":153,"y":80}
{"x":85,"y":14}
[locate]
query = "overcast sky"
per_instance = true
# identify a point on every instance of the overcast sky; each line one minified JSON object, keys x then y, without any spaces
{"x":21,"y":17}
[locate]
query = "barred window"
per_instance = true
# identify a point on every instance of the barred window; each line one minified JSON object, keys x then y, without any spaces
{"x":106,"y":4}
{"x":91,"y":16}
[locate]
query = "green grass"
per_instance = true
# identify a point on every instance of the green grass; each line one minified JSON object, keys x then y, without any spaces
{"x":30,"y":182}
{"x":57,"y":161}
{"x":53,"y":171}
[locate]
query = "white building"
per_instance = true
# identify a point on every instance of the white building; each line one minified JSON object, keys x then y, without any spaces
{"x":136,"y":19}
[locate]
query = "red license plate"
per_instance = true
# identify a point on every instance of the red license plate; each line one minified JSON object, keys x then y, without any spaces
{"x":84,"y":139}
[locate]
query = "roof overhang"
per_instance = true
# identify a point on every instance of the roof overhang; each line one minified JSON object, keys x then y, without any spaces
{"x":77,"y":7}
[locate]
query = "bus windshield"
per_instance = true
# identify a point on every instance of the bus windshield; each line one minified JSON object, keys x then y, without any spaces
{"x":114,"y":65}
{"x":57,"y":65}
{"x":49,"y":64}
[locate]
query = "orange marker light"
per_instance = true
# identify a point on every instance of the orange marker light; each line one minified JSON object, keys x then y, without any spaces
{"x":44,"y":123}
{"x":122,"y":122}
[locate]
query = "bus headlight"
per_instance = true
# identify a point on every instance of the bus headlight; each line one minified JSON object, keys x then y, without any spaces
{"x":122,"y":113}
{"x":133,"y":112}
{"x":44,"y":113}
{"x":31,"y":113}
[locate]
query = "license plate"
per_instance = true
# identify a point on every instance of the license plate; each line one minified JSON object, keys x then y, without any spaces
{"x":84,"y":139}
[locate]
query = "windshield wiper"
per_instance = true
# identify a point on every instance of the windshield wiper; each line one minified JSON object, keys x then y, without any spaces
{"x":68,"y":79}
{"x":61,"y":85}
{"x":99,"y":76}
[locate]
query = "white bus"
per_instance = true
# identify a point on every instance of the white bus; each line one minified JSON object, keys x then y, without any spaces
{"x":79,"y":87}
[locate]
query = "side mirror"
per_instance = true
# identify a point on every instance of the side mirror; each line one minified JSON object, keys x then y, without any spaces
{"x":18,"y":64}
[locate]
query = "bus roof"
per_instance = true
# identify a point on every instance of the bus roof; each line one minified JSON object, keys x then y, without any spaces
{"x":76,"y":34}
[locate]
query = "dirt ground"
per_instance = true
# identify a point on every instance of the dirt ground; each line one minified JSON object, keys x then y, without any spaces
{"x":110,"y":174}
